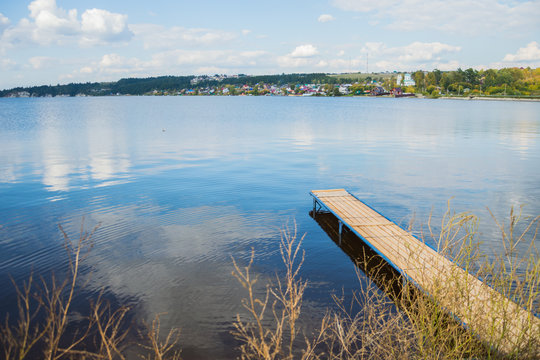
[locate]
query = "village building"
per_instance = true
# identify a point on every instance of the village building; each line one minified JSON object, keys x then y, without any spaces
{"x":405,"y":80}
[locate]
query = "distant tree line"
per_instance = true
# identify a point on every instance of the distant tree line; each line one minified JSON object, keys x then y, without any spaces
{"x":142,"y":86}
{"x":507,"y":81}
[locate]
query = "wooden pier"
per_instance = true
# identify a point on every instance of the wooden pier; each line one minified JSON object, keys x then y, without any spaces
{"x":493,"y":317}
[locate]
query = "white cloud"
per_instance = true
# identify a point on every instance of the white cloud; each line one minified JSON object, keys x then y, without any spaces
{"x":340,"y":65}
{"x":48,"y":24}
{"x":42,"y":62}
{"x":86,"y":70}
{"x":206,"y":36}
{"x":219,"y":58}
{"x":175,"y":61}
{"x":531,"y":52}
{"x":301,"y":56}
{"x":373,"y":47}
{"x":322,"y":63}
{"x":325,"y":18}
{"x":160,"y":37}
{"x":102,"y":26}
{"x":4,"y":22}
{"x":447,"y":66}
{"x":362,"y":5}
{"x":287,"y":61}
{"x":52,"y":19}
{"x":7,"y":64}
{"x":461,"y":16}
{"x":253,"y":53}
{"x":387,"y":65}
{"x":303,"y":51}
{"x":418,"y":51}
{"x":246,"y":32}
{"x":111,"y":60}
{"x":414,"y":53}
{"x":203,"y":70}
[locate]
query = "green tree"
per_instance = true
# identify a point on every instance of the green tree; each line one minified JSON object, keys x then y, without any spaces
{"x":459,"y":76}
{"x":445,"y":81}
{"x":418,"y":77}
{"x":357,"y":89}
{"x":255,"y":90}
{"x":471,"y":76}
{"x":328,"y":89}
{"x":431,"y":80}
{"x":389,"y":83}
{"x":489,"y":77}
{"x":438,"y":75}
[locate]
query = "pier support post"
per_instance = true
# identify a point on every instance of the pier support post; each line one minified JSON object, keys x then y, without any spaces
{"x":340,"y":231}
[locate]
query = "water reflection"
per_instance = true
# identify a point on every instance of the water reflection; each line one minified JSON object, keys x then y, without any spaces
{"x":178,"y":268}
{"x":372,"y":266}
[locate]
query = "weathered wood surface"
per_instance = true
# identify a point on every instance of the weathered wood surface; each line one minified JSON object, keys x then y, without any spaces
{"x":492,"y":316}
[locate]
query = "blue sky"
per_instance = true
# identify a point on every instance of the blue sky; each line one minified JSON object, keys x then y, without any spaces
{"x":62,"y":41}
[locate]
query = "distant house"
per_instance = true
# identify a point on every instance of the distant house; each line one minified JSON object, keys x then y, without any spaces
{"x":378,"y":91}
{"x":396,"y":91}
{"x":344,"y":88}
{"x":407,"y":80}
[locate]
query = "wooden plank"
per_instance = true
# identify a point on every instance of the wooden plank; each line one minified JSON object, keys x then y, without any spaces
{"x":458,"y":291}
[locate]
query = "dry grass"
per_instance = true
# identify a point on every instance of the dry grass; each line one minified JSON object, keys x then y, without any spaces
{"x":159,"y":349}
{"x":44,"y":327}
{"x":404,"y":323}
{"x":278,"y":340}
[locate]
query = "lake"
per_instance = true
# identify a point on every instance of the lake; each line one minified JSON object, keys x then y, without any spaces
{"x":181,"y":185}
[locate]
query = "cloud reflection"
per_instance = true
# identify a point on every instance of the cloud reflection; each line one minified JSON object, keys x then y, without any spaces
{"x":179,"y":262}
{"x":56,"y":166}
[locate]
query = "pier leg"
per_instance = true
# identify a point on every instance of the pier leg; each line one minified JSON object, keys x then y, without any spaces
{"x":340,"y":231}
{"x":314,"y":207}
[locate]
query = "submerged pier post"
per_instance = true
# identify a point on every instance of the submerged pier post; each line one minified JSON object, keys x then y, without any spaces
{"x":340,"y":231}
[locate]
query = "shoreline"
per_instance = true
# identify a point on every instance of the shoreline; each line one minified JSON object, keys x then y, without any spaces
{"x":417,"y":96}
{"x":488,"y":98}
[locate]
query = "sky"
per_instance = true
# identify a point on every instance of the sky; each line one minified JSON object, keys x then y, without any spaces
{"x":49,"y":42}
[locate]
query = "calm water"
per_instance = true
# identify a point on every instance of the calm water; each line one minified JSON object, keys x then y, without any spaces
{"x":180,"y":185}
